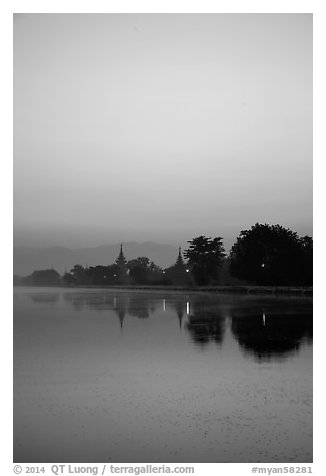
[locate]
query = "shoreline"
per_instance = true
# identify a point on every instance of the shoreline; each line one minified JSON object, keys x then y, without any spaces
{"x":249,"y":290}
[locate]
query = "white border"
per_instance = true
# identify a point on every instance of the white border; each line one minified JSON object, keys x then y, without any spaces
{"x":167,"y":6}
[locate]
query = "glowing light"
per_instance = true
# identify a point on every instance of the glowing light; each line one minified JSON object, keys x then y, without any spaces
{"x":264,"y":319}
{"x":263,"y":265}
{"x":187,"y":270}
{"x":163,"y":304}
{"x":188,"y":309}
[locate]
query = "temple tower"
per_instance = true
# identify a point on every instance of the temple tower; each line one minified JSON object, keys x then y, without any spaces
{"x":179,"y":263}
{"x":121,"y":263}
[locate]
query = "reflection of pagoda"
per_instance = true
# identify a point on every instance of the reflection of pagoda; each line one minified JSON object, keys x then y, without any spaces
{"x":120,"y":308}
{"x":179,"y":310}
{"x":121,"y":263}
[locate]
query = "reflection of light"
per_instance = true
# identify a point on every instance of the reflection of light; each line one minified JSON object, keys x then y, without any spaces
{"x":163,"y":304}
{"x":163,"y":272}
{"x":115,"y":275}
{"x":264,"y":319}
{"x":187,"y":270}
{"x":188,"y":309}
{"x":263,"y":265}
{"x":114,"y":302}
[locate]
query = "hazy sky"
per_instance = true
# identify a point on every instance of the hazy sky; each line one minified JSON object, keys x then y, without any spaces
{"x":160,"y":126}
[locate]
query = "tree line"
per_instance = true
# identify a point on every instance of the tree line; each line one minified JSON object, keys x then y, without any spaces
{"x":265,"y":254}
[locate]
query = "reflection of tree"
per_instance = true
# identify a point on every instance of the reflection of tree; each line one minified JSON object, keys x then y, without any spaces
{"x":205,"y":325}
{"x":141,"y":306}
{"x":267,"y":328}
{"x":138,"y":305}
{"x":50,"y":298}
{"x":272,"y":335}
{"x":92,"y":301}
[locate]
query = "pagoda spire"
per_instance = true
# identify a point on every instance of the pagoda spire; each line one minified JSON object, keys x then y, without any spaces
{"x":121,"y":262}
{"x":179,"y":262}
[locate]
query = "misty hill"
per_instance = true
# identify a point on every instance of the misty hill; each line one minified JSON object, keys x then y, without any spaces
{"x":28,"y":259}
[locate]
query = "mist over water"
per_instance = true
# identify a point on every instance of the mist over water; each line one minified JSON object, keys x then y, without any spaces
{"x":109,"y":375}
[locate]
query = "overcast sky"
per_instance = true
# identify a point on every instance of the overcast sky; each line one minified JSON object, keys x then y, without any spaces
{"x":160,"y":127}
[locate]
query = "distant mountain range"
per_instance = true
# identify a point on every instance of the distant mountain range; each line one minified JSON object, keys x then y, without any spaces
{"x":28,"y":259}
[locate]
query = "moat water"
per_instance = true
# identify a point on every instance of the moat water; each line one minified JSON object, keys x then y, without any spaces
{"x":105,"y":375}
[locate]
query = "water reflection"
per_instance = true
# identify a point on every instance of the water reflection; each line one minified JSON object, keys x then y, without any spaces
{"x":274,"y":335}
{"x":48,"y":298}
{"x":265,"y":328}
{"x":90,"y":301}
{"x":205,"y":325}
{"x":120,"y":307}
{"x":140,"y":306}
{"x":179,"y":309}
{"x":119,"y":375}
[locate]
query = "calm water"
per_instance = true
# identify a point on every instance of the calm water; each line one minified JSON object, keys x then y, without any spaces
{"x":108,"y":375}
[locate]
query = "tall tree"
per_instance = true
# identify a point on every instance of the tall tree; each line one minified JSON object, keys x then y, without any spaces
{"x":307,"y":248}
{"x":79,"y":274}
{"x":205,"y":256}
{"x":43,"y":277}
{"x":270,"y":255}
{"x":139,"y":270}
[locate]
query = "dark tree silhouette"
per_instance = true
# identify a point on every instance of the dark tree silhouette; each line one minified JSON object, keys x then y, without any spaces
{"x":98,"y":275}
{"x":271,"y":255}
{"x":144,"y":271}
{"x":43,"y":277}
{"x":307,"y":248}
{"x":139,"y":270}
{"x":69,"y":279}
{"x":205,"y":256}
{"x":77,"y":275}
{"x":78,"y":272}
